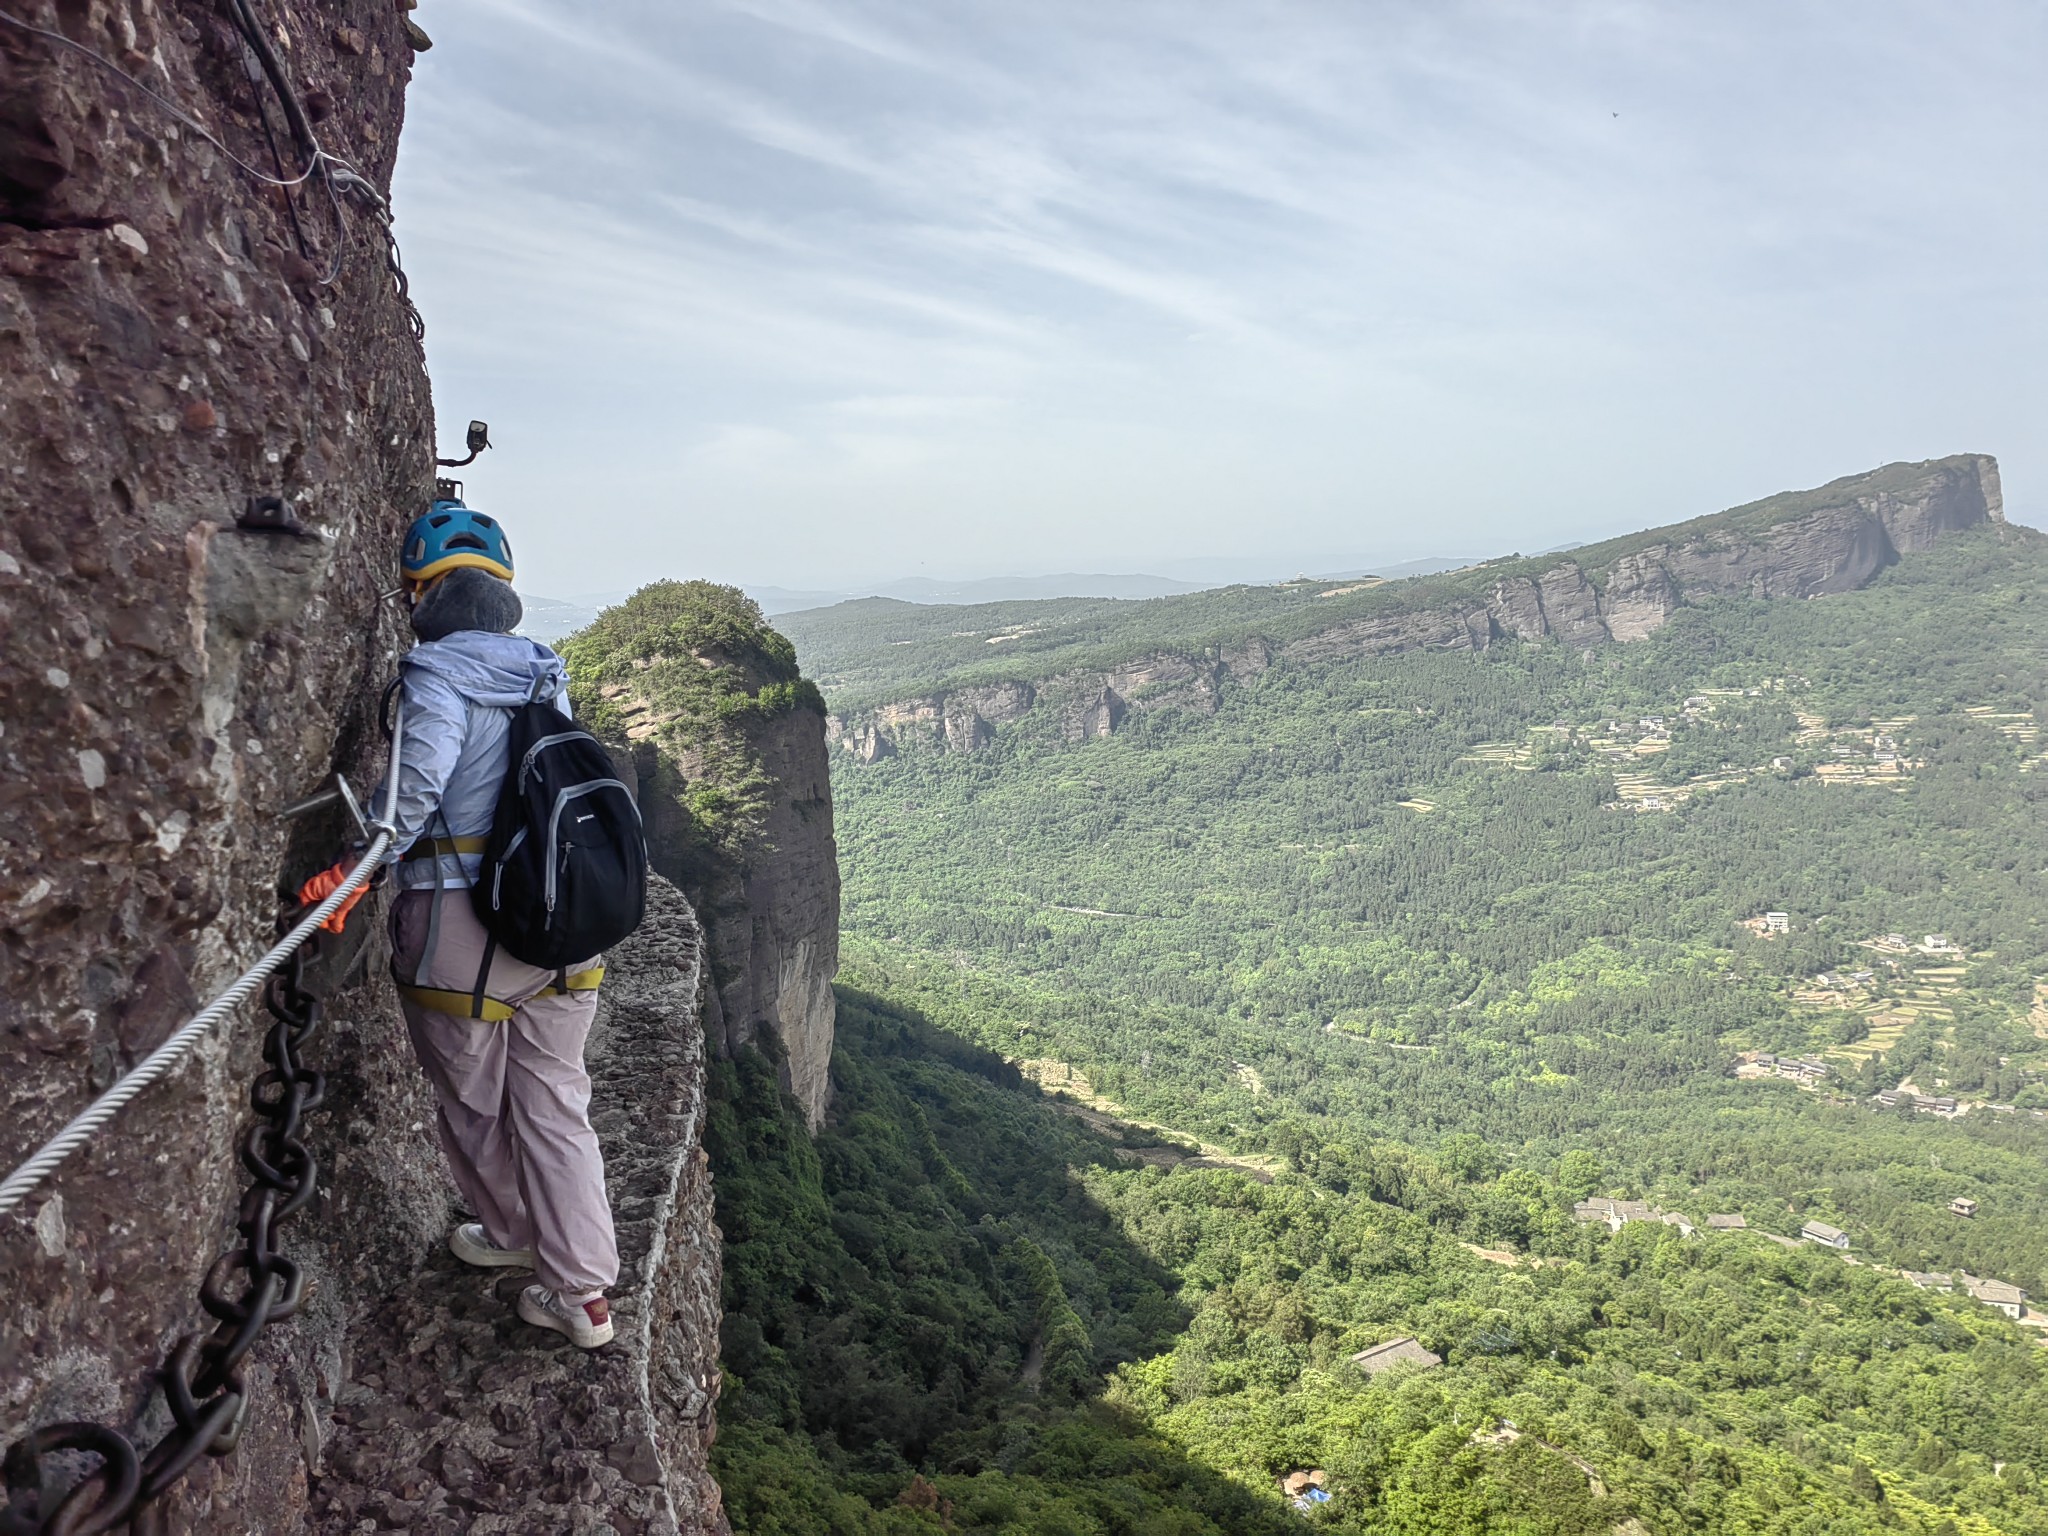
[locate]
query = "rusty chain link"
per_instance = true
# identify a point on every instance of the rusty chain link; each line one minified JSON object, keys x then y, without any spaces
{"x":202,"y":1380}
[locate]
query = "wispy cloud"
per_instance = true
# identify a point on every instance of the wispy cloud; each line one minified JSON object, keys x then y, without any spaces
{"x":838,"y":289}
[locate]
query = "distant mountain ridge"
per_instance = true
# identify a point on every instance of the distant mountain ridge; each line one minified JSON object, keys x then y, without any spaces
{"x":1095,"y":663}
{"x":549,"y":619}
{"x":987,"y":589}
{"x":553,"y":618}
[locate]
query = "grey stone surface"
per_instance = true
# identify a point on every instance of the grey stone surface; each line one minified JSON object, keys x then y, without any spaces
{"x":449,"y":1414}
{"x":771,"y":912}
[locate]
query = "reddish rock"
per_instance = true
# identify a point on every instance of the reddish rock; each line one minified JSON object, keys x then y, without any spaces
{"x":169,"y":682}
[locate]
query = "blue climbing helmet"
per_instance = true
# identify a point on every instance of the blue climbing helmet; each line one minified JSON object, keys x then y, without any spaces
{"x":451,"y":536}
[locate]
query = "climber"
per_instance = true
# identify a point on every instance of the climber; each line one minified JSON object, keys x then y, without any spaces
{"x":500,"y":1041}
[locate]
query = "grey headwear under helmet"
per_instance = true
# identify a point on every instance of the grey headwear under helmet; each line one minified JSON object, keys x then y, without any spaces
{"x":467,"y":598}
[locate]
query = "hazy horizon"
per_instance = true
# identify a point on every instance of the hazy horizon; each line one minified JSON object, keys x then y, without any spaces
{"x":819,"y":297}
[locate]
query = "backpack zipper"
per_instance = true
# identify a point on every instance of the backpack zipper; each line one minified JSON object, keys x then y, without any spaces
{"x":498,"y":875}
{"x":526,"y":762}
{"x":555,"y":821}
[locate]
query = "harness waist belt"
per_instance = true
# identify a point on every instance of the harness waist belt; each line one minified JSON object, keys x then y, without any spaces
{"x":474,"y":1005}
{"x":434,"y":848}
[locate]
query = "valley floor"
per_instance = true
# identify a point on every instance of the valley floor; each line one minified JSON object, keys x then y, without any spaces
{"x":1186,"y":1063}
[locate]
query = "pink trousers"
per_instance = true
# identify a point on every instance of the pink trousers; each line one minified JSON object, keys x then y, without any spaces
{"x":514,"y":1098}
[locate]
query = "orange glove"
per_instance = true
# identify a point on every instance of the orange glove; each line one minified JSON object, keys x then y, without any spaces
{"x":323,"y":885}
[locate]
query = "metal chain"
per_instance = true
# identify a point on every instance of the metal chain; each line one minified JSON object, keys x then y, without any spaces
{"x":202,"y":1380}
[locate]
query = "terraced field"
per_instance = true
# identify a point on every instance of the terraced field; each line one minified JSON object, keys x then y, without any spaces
{"x":2021,"y":727}
{"x":1894,"y":1004}
{"x":1500,"y":754}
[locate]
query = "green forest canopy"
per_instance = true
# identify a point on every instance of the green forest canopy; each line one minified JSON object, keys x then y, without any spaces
{"x":1532,"y":960}
{"x":1408,"y":933}
{"x":963,"y":1309}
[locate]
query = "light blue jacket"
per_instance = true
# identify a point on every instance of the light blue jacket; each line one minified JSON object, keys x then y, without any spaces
{"x":458,"y":696}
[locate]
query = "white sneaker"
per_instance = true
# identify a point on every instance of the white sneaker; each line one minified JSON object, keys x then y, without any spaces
{"x":471,"y":1244}
{"x":585,"y":1326}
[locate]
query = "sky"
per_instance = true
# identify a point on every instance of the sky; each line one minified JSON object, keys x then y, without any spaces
{"x":809,"y":294}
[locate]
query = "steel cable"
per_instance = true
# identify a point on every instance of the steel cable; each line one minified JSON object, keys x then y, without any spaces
{"x":176,"y":111}
{"x":17,"y":1186}
{"x":334,"y":171}
{"x":202,"y":1382}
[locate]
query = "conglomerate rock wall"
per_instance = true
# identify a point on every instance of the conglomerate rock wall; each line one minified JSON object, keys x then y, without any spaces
{"x":169,"y":681}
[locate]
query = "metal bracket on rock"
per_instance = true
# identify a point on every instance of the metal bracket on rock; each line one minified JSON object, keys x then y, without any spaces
{"x":273,"y":514}
{"x":321,"y":799}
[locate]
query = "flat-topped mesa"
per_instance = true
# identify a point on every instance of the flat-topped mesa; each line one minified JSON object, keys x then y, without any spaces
{"x":1801,"y":544}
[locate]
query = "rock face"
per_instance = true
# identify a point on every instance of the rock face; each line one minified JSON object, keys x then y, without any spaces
{"x":771,"y":913}
{"x":1806,"y":544}
{"x":963,"y":720}
{"x":724,"y":744}
{"x":168,"y":682}
{"x":1641,"y":595}
{"x":775,"y":928}
{"x":450,"y":1414}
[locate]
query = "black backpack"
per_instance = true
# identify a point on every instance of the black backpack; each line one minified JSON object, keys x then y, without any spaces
{"x":564,"y":875}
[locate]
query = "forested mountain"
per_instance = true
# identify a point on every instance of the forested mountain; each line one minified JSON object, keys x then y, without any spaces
{"x":874,"y":657}
{"x":968,"y":1308}
{"x":1290,"y":1016}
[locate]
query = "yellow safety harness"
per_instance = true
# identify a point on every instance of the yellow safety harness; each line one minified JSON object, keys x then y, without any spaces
{"x":475,"y":1004}
{"x":435,"y":847}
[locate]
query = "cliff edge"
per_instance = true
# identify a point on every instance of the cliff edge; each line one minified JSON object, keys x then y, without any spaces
{"x":452,"y":1415}
{"x":724,"y":741}
{"x":1835,"y":538}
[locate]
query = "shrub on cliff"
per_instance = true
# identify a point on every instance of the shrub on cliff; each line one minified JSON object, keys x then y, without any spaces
{"x":698,"y":665}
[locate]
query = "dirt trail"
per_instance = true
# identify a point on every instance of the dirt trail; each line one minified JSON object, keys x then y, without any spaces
{"x":1071,"y":1094}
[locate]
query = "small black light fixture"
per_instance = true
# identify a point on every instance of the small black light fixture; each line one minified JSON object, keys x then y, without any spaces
{"x":479,"y":439}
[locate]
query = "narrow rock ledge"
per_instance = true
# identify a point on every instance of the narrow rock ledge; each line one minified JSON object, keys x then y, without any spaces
{"x":457,"y":1417}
